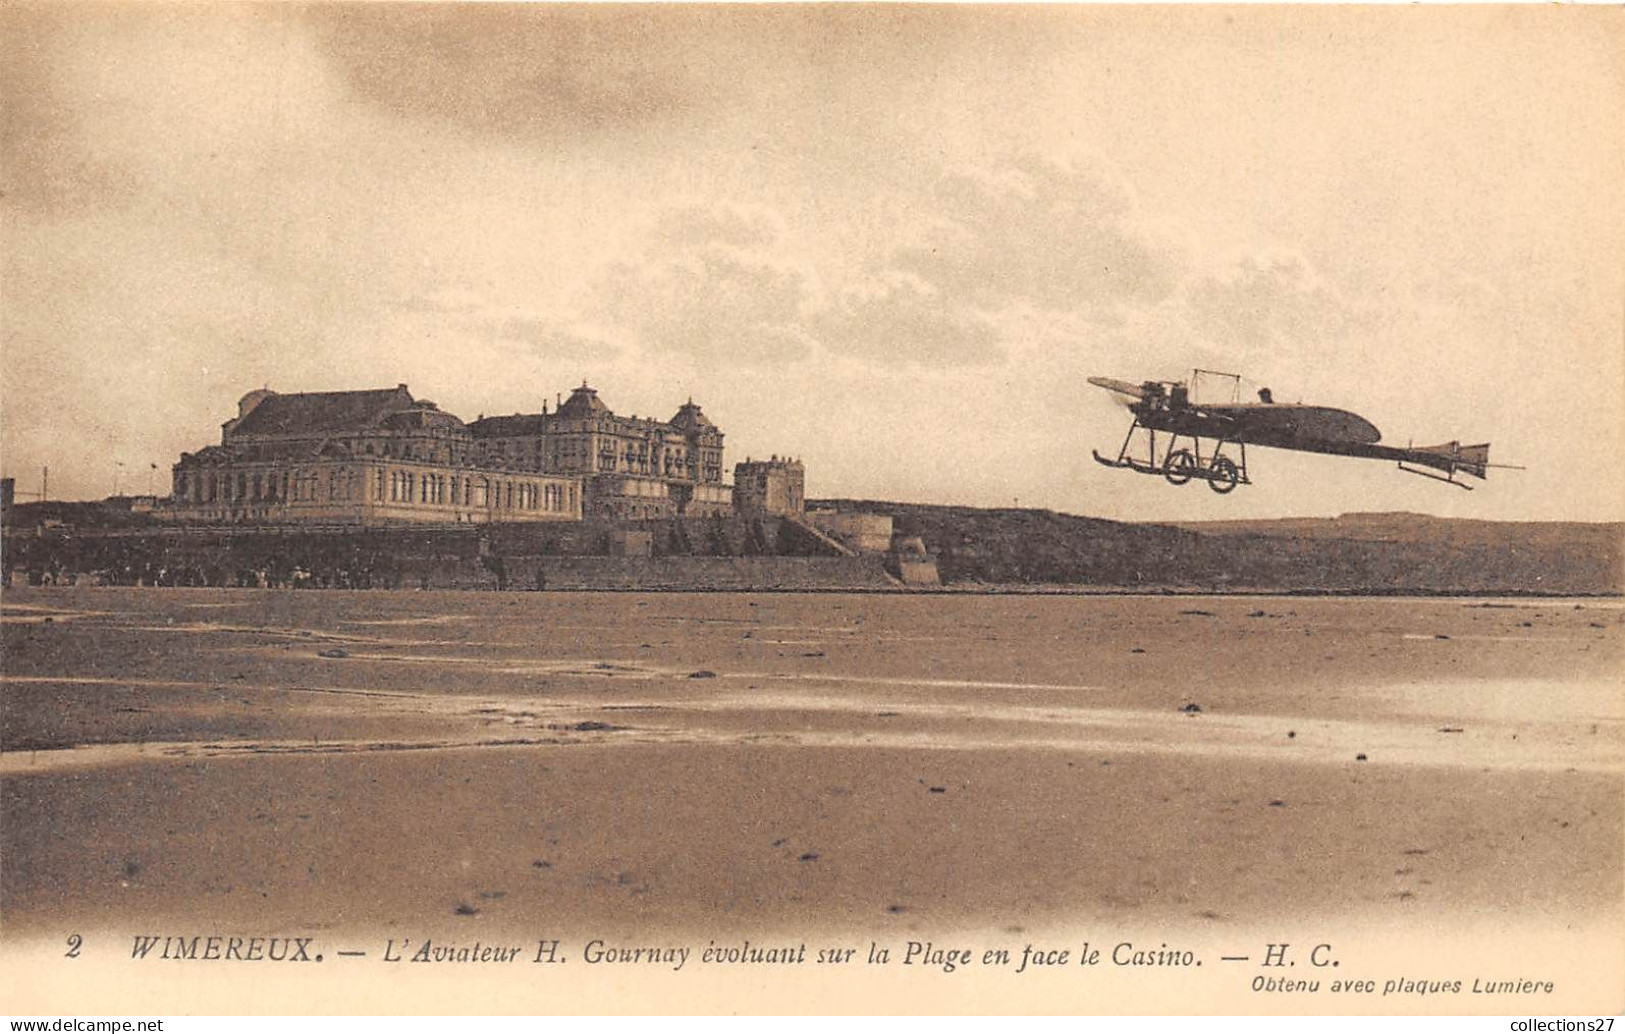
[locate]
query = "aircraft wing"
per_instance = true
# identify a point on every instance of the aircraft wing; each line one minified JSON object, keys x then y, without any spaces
{"x":1117,"y":387}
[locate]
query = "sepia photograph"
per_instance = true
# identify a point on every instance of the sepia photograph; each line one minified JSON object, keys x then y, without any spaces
{"x":811,"y":509}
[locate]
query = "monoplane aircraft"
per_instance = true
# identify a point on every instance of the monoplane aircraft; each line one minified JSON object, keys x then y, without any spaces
{"x":1169,"y":407}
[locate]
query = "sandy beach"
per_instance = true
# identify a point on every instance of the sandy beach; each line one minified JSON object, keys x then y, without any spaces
{"x":795,"y":760}
{"x":710,"y":765}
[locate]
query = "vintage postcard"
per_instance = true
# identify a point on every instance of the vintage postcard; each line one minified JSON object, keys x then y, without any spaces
{"x":814,"y":509}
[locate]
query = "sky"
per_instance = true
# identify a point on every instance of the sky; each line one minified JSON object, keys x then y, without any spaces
{"x":893,"y":241}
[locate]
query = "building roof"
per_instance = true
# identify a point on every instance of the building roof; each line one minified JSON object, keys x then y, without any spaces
{"x":582,"y":402}
{"x":322,"y":412}
{"x":757,"y":466}
{"x":689,"y":417}
{"x":421,"y":416}
{"x":519,"y":425}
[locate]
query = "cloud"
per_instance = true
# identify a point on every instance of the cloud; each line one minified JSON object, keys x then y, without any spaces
{"x":1008,"y":246}
{"x":514,"y":71}
{"x":702,"y":284}
{"x":898,"y":318}
{"x":448,"y":300}
{"x":464,"y":313}
{"x":1001,"y":247}
{"x":46,"y":164}
{"x":732,"y":225}
{"x":1272,"y":314}
{"x":716,"y":285}
{"x":1039,"y":231}
{"x":108,"y":104}
{"x":550,"y":336}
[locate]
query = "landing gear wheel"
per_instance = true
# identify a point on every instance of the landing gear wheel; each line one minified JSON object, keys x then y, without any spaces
{"x":1224,"y":475}
{"x":1180,"y":467}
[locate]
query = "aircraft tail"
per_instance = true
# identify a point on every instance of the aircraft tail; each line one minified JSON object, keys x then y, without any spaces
{"x":1470,"y":459}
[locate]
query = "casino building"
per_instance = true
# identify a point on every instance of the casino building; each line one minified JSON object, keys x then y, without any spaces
{"x":632,"y":468}
{"x":366,"y":457}
{"x":382,"y":456}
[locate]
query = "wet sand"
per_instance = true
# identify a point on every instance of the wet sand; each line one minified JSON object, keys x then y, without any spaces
{"x":627,"y":764}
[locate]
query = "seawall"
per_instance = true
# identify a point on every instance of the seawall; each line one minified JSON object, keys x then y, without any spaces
{"x":463,"y":557}
{"x":701,"y":573}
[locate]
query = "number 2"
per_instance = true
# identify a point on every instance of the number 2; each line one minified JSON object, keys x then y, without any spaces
{"x":74,"y":944}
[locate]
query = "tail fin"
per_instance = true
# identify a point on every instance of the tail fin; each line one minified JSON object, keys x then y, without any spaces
{"x":1471,"y":459}
{"x":1474,"y":459}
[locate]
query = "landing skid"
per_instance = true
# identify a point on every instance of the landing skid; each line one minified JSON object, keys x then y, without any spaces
{"x":1449,"y":480}
{"x":1126,"y":463}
